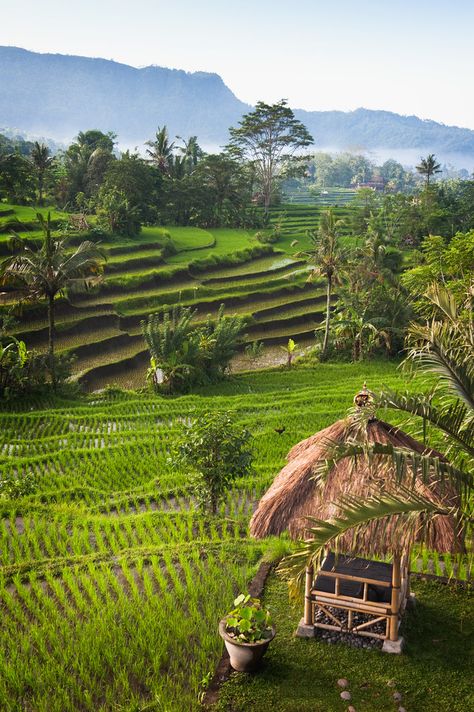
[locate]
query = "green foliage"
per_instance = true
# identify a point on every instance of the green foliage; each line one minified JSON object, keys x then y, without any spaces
{"x":137,"y":183}
{"x":442,"y":262}
{"x":184,"y":354}
{"x":17,"y":183}
{"x":326,"y":258}
{"x":46,"y":272}
{"x":218,"y":451}
{"x":115,"y":213}
{"x":249,"y":621}
{"x":101,"y":565}
{"x":268,"y":137}
{"x":428,"y":167}
{"x":254,"y":350}
{"x":13,"y":487}
{"x":290,"y":350}
{"x":174,"y":347}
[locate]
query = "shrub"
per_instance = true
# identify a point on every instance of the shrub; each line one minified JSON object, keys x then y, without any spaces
{"x":218,"y":452}
{"x":23,"y":371}
{"x":13,"y":487}
{"x":183,"y":355}
{"x":174,"y":349}
{"x":219,"y":341}
{"x":254,"y":350}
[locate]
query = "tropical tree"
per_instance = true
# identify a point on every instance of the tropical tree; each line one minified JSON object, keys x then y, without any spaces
{"x":46,"y":272}
{"x":327,"y":258}
{"x":191,"y":152}
{"x":135,"y":179}
{"x":173,"y":346}
{"x":227,"y":185}
{"x":86,"y":160}
{"x":268,"y":137}
{"x":17,"y":181}
{"x":353,"y":327}
{"x":428,"y":167}
{"x":218,"y":451}
{"x":160,"y":151}
{"x":182,"y":353}
{"x":42,"y":161}
{"x":444,"y":348}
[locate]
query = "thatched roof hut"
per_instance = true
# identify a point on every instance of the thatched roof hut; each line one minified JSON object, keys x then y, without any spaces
{"x":297,"y":493}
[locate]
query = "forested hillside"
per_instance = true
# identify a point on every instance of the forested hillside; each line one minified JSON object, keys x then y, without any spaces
{"x":80,"y":91}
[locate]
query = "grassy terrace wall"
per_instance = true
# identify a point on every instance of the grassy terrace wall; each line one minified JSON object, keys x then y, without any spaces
{"x":203,"y":269}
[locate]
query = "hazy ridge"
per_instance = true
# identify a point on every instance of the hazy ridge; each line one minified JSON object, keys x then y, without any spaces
{"x":57,"y":95}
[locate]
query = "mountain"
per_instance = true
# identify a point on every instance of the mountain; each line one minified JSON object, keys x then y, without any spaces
{"x":58,"y":95}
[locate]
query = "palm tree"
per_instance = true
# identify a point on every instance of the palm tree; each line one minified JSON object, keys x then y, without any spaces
{"x":42,"y":160}
{"x":444,"y":348}
{"x":428,"y":167}
{"x":191,"y":151}
{"x":48,"y":271}
{"x":161,"y":151}
{"x":327,"y":258}
{"x":352,"y":325}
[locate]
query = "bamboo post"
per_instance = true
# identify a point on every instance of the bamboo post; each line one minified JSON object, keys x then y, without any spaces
{"x":395,"y":600}
{"x":308,"y":604}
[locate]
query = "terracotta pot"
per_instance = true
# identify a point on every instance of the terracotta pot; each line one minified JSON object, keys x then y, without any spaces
{"x":244,"y":657}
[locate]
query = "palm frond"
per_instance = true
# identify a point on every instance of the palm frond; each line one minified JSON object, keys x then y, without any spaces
{"x":408,"y":465}
{"x":355,"y":514}
{"x":454,"y":418}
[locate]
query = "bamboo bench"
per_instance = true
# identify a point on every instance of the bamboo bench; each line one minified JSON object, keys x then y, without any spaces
{"x":355,"y":585}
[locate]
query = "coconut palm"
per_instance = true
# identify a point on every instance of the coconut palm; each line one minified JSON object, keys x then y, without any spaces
{"x":443,"y":348}
{"x":352,"y":326}
{"x":191,"y":151}
{"x":48,"y":271}
{"x":42,"y":160}
{"x":327,"y":259}
{"x":428,"y":167}
{"x":160,"y":151}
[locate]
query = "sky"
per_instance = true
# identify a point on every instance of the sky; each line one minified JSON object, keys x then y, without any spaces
{"x":407,"y":56}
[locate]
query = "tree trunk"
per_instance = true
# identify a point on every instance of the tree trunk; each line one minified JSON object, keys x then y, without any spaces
{"x":52,"y":366}
{"x":40,"y":189}
{"x":328,"y":315}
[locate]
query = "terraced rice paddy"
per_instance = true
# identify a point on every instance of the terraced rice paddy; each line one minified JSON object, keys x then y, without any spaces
{"x":111,"y":581}
{"x":210,"y":267}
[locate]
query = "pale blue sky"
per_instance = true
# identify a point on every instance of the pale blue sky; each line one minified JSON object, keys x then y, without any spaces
{"x":409,"y":56}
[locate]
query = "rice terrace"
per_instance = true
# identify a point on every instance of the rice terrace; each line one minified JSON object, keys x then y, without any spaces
{"x":236,"y":381}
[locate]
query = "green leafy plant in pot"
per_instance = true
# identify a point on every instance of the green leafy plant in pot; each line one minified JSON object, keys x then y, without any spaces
{"x":247,"y":631}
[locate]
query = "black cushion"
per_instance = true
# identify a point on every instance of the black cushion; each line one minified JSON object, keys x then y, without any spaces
{"x":377,"y":570}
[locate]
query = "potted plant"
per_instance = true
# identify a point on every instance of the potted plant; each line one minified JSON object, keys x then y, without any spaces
{"x":247,"y":631}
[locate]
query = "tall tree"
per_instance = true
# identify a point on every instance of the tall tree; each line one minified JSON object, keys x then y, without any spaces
{"x":268,"y":137}
{"x":191,"y":151}
{"x":161,"y":150}
{"x":428,"y":167}
{"x":42,"y":160}
{"x":227,"y":182}
{"x":327,"y":259}
{"x":46,"y":272}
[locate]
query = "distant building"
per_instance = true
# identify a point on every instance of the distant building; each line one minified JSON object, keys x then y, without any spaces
{"x":377,"y":183}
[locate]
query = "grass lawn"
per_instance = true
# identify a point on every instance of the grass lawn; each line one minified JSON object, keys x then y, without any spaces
{"x":434,"y":673}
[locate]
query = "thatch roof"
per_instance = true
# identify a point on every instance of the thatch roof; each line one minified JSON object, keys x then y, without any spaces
{"x":296,"y":494}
